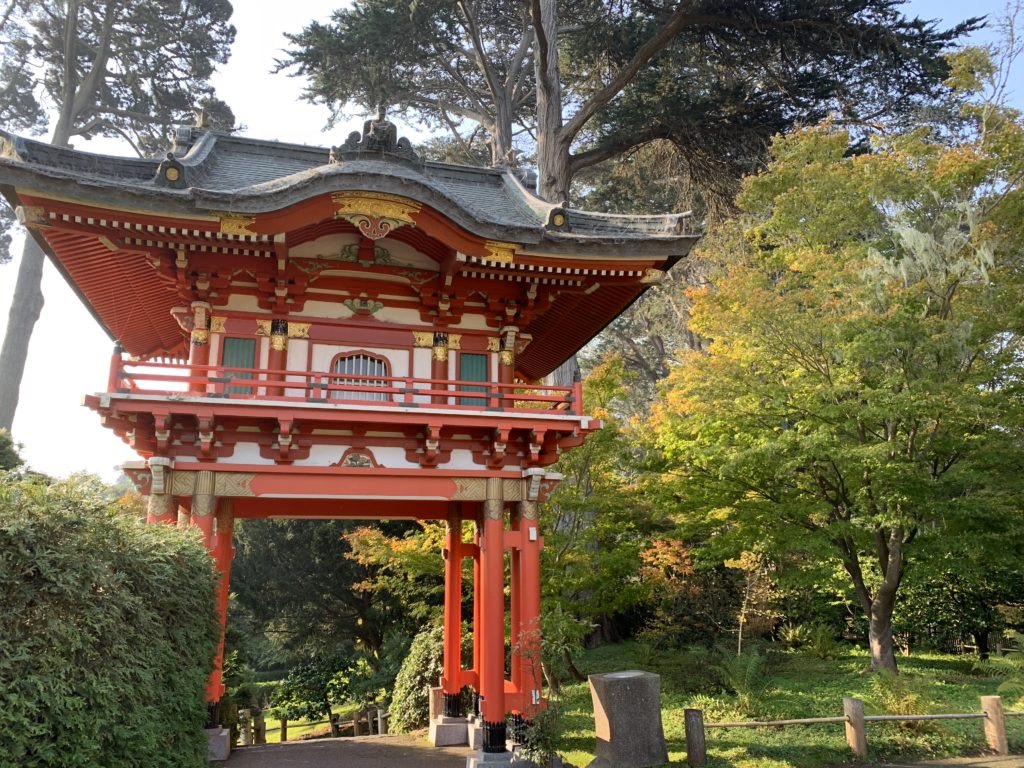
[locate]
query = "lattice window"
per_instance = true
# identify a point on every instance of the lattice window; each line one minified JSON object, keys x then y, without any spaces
{"x":360,"y":370}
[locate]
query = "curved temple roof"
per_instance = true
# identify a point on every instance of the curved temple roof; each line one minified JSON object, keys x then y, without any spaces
{"x":97,"y":216}
{"x":217,"y":172}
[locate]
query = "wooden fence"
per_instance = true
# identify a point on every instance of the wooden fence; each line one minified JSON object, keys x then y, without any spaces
{"x":252,"y":728}
{"x":855,"y":721}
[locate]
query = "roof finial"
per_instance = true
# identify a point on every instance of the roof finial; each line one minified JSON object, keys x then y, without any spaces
{"x":379,"y":135}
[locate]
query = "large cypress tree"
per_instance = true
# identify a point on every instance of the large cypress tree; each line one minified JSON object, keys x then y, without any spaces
{"x":110,"y":68}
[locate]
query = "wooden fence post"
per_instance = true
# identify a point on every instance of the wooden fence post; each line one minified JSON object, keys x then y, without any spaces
{"x":245,"y":727}
{"x":856,"y":733}
{"x":284,"y":729}
{"x":995,"y":724}
{"x":259,"y":727}
{"x":696,"y":751}
{"x":381,"y":725}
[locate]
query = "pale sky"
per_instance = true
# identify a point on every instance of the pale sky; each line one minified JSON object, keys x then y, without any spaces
{"x":69,"y":354}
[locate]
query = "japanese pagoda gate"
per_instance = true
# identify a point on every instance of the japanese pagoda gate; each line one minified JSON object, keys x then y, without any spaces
{"x":353,"y":332}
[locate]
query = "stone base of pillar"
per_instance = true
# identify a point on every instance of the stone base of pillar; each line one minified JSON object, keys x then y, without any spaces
{"x":218,"y":744}
{"x":476,"y":734}
{"x":479,"y":759}
{"x":449,"y":732}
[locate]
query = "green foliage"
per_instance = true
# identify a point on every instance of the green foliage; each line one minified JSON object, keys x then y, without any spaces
{"x":297,"y":582}
{"x":1013,"y":685}
{"x":597,"y":523}
{"x":313,"y":688}
{"x":745,"y":676}
{"x":85,"y":57}
{"x":108,"y":635}
{"x":822,"y":643}
{"x":860,"y":398}
{"x":540,"y":740}
{"x":898,"y":695}
{"x":795,"y":636}
{"x":10,"y":459}
{"x":421,"y":670}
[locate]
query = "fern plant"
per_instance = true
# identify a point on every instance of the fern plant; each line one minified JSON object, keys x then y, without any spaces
{"x":746,"y":677}
{"x":1012,"y":688}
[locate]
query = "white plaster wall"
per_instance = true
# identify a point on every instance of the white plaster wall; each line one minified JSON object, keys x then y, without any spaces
{"x":246,"y":453}
{"x":333,"y":310}
{"x":298,"y":351}
{"x":239,"y":302}
{"x":462,"y":458}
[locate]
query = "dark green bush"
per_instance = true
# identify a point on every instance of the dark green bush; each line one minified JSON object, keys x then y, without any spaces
{"x":421,"y":671}
{"x":108,"y":633}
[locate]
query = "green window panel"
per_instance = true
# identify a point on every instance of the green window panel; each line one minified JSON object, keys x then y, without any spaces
{"x":239,"y":353}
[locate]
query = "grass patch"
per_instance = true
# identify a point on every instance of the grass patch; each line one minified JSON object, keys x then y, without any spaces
{"x":795,"y":685}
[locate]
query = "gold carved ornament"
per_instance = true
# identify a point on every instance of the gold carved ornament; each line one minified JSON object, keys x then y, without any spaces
{"x":295,"y":330}
{"x":502,"y":253}
{"x":231,"y":224}
{"x":375,"y":214}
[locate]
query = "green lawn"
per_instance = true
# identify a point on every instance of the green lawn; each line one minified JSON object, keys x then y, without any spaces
{"x":797,"y":685}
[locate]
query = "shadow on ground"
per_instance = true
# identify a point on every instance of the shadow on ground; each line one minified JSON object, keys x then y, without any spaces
{"x":398,"y":751}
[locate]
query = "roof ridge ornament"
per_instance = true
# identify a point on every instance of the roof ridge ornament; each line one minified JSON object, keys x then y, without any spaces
{"x":379,"y":135}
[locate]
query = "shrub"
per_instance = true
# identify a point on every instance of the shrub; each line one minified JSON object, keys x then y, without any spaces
{"x":108,"y":632}
{"x":421,"y":670}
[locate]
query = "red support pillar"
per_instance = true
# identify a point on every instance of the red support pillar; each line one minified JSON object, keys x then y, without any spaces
{"x":439,"y":366}
{"x":451,"y":683}
{"x":527,"y":634}
{"x":199,"y":345}
{"x":492,"y":656}
{"x":515,"y":615}
{"x":477,"y":600}
{"x":277,"y":359}
{"x":507,"y":365}
{"x":223,"y":553}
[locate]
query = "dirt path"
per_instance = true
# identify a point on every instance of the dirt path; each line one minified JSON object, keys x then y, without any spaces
{"x":398,"y":751}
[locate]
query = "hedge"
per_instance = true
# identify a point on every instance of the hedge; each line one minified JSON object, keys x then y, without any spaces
{"x":107,"y":635}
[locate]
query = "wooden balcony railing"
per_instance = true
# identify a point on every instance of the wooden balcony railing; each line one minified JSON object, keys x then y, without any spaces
{"x":163,"y":379}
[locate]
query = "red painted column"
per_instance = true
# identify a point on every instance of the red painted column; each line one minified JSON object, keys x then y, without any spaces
{"x":477,"y":599}
{"x":515,"y":617}
{"x":492,"y":657}
{"x":529,"y":636}
{"x":439,"y":365}
{"x":199,"y":345}
{"x":277,"y":359}
{"x":223,"y":553}
{"x":451,"y":684}
{"x":507,"y":364}
{"x":204,"y":505}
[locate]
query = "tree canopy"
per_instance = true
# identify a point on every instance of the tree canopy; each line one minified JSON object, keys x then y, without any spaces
{"x":591,"y":81}
{"x":108,"y":68}
{"x":861,"y":391}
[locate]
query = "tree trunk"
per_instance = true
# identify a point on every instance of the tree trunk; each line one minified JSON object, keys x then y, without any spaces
{"x":26,"y":305}
{"x":552,"y":145}
{"x":981,"y":642}
{"x":883,"y":654}
{"x":878,"y":608}
{"x":570,"y":665}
